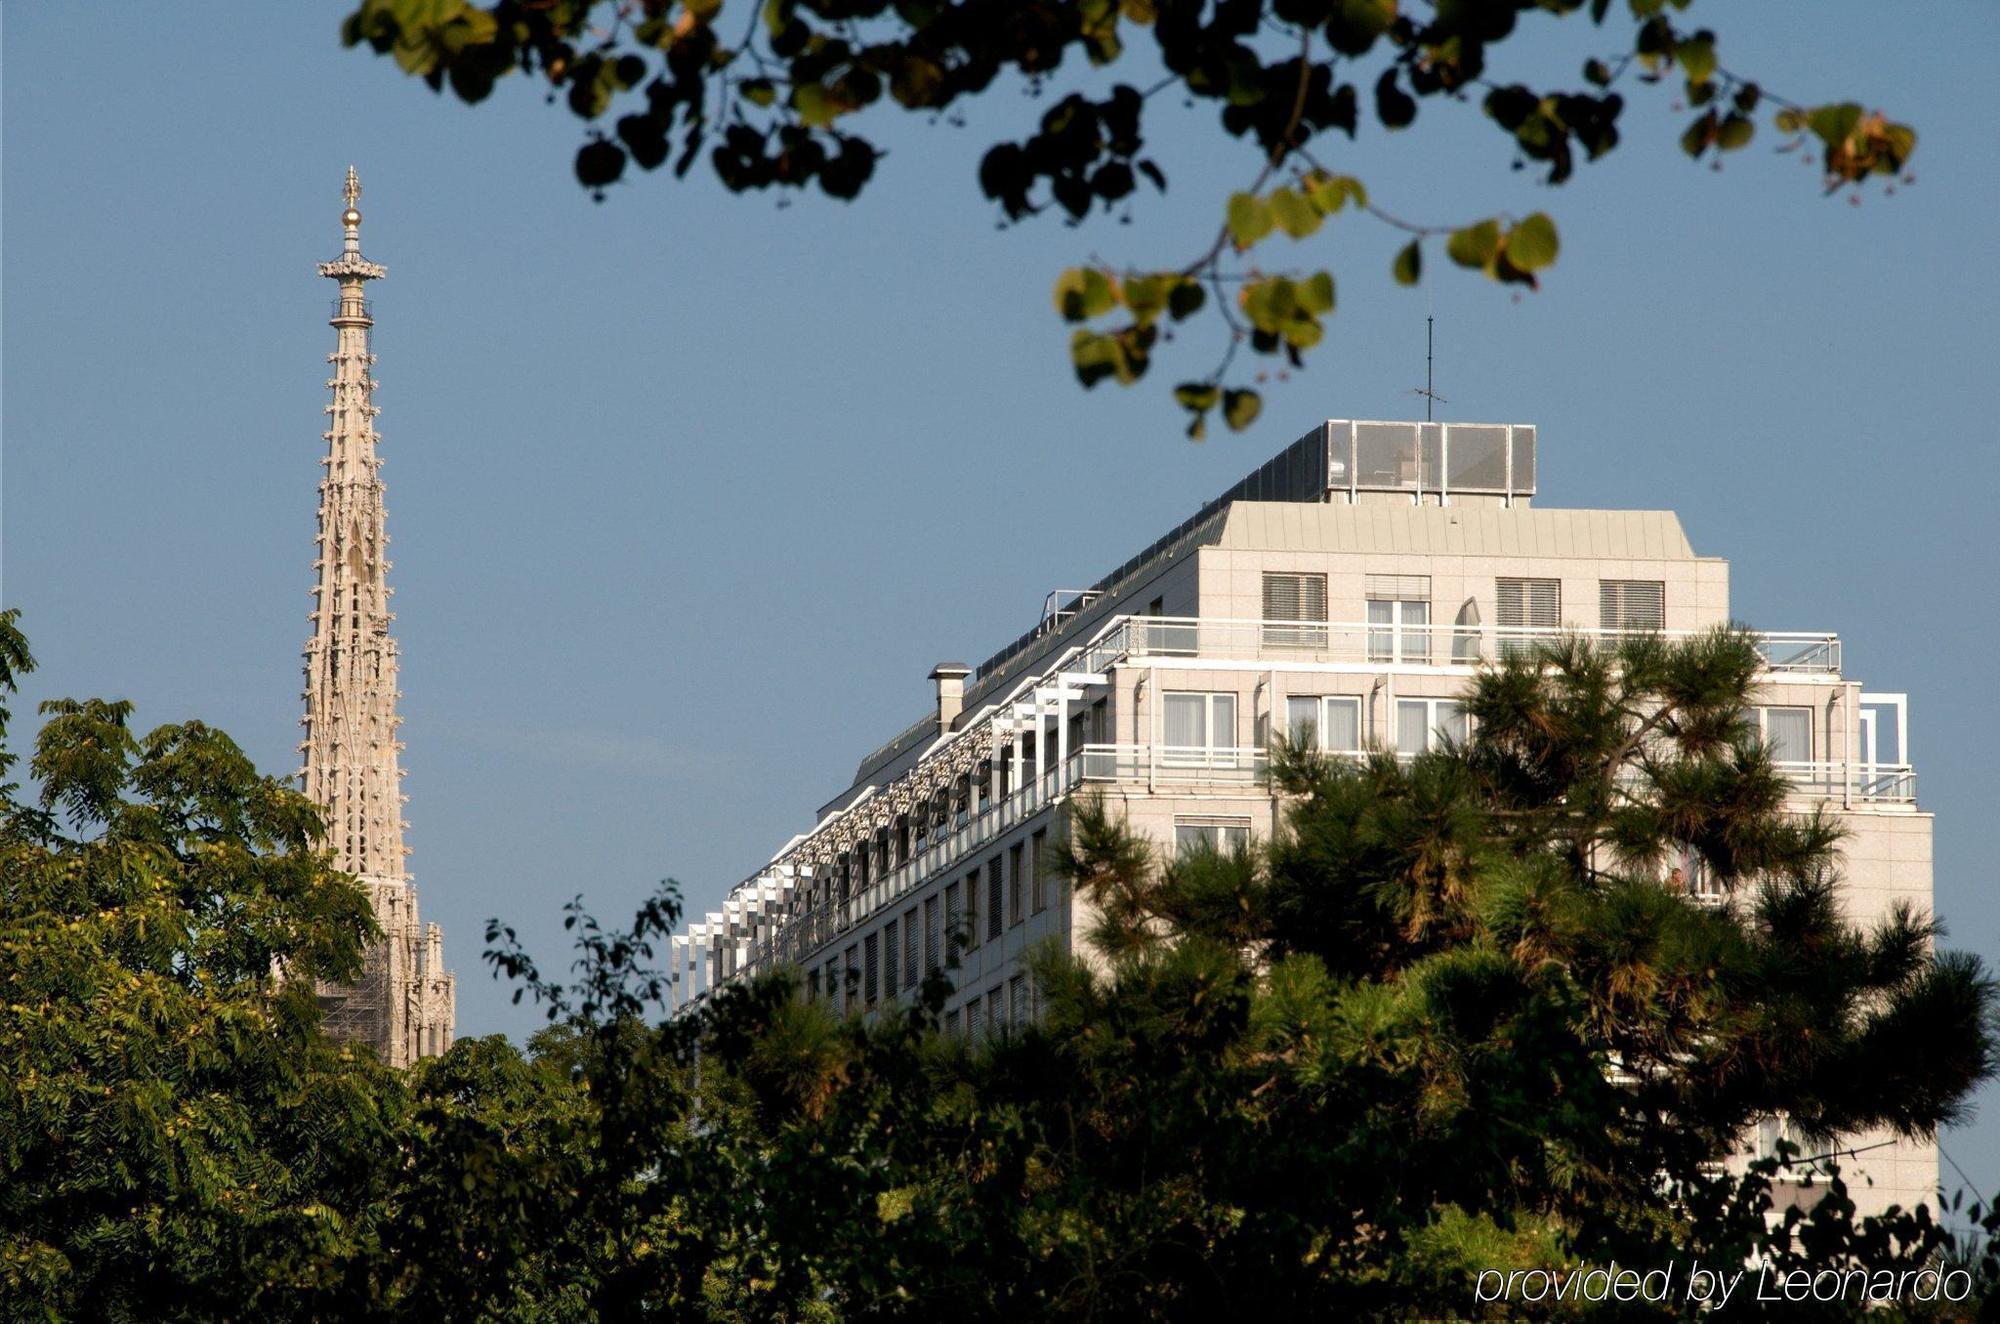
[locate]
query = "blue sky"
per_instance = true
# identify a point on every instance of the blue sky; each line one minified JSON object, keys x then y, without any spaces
{"x":689,"y":491}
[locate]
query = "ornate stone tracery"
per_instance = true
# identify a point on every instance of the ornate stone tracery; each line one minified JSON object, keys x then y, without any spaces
{"x":405,"y":1002}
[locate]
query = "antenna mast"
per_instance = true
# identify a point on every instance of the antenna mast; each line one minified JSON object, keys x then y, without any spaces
{"x":1427,"y":390}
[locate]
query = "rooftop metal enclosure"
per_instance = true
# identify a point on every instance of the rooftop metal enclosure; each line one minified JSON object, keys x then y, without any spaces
{"x":1340,"y":460}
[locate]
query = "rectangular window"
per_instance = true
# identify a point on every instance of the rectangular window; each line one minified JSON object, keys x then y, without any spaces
{"x":1530,"y":611}
{"x":850,"y":979}
{"x":1425,"y":724}
{"x":1223,"y":835}
{"x":973,"y":1018}
{"x":1290,"y":597}
{"x":833,"y":984}
{"x":951,"y":1023}
{"x":971,"y":925}
{"x":1017,"y":909}
{"x":1038,"y":849}
{"x":996,"y":900}
{"x":890,"y":963}
{"x":910,"y":948}
{"x":996,"y":1013}
{"x":1198,"y":725}
{"x":954,"y":918}
{"x":1631,"y":604}
{"x":812,"y":984}
{"x":871,"y":967}
{"x":1329,"y":722}
{"x":933,"y":935}
{"x":1017,"y":1002}
{"x":1789,"y":733}
{"x":1399,"y":618}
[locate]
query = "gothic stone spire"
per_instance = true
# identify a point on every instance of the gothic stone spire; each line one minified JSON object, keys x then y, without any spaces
{"x":351,"y":746}
{"x":403,"y":1001}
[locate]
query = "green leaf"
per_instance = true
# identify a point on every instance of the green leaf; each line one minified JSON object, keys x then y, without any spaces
{"x":1355,"y":25}
{"x":1696,"y":57}
{"x":1240,"y":408}
{"x":1083,"y":293}
{"x":757,"y":91}
{"x":816,"y":106}
{"x":1268,"y":303}
{"x":1249,"y":219}
{"x":1409,"y":267}
{"x":1185,"y":300}
{"x":1315,"y":293}
{"x":1532,"y":244}
{"x":1294,"y":215}
{"x":1197,"y":395}
{"x":1326,"y":192}
{"x":1699,"y":134}
{"x":1832,"y":124}
{"x":1475,"y":245}
{"x":1094,"y":357}
{"x":1898,"y":141}
{"x":1146,"y":296}
{"x":1736,"y":132}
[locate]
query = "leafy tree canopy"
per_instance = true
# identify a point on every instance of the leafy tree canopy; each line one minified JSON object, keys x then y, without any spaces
{"x":784,"y":94}
{"x":179,"y":1140}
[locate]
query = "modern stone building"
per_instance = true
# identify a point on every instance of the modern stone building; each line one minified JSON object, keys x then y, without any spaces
{"x":1354,"y":583}
{"x":405,"y":1002}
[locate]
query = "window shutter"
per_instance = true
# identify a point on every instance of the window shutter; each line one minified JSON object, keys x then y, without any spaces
{"x":1530,"y":603}
{"x":1632,"y":604}
{"x":1289,"y":597}
{"x":1399,"y":588}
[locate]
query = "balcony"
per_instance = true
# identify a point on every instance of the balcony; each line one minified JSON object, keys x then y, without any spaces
{"x":1376,"y":645}
{"x":769,"y":920}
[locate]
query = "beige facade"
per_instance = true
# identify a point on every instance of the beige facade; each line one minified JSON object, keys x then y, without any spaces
{"x":1349,"y":583}
{"x":405,"y":1002}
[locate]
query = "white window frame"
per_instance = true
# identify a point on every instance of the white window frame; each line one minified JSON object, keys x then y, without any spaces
{"x":1203,"y":755}
{"x":1432,"y":737}
{"x":1321,"y":704}
{"x":1763,"y":712}
{"x":1399,"y":630}
{"x":1211,"y":829}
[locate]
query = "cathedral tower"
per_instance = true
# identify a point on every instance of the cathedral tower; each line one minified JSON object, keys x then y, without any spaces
{"x":405,"y":1002}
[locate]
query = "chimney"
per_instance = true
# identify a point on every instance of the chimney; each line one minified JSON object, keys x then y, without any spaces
{"x":950,"y":678}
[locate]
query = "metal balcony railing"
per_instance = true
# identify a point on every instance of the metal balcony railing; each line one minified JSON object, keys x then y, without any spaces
{"x":1404,"y":645}
{"x":767,"y":918}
